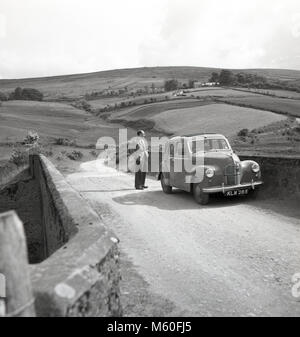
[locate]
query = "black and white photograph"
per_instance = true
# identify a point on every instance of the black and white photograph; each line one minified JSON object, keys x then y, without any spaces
{"x":149,"y":161}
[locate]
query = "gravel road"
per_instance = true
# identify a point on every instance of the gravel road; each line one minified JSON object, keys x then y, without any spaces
{"x":233,"y":257}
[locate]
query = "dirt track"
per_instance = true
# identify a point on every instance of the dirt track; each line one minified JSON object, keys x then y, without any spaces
{"x":233,"y":257}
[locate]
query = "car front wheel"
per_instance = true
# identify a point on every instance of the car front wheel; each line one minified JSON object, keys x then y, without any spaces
{"x":200,"y":197}
{"x":166,"y":188}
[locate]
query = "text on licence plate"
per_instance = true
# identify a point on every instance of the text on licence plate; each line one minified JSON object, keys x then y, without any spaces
{"x":236,"y":192}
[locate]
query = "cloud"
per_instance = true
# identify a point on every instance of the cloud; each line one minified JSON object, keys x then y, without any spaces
{"x":235,"y":34}
{"x":50,"y":37}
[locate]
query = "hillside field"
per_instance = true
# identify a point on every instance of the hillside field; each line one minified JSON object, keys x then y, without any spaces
{"x":219,"y":118}
{"x":52,"y":121}
{"x":286,"y":106}
{"x":272,"y":92}
{"x":151,"y":109}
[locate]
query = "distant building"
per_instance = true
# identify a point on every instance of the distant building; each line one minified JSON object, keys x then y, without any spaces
{"x":205,"y":84}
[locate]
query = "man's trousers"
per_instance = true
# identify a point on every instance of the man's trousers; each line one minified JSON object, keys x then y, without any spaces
{"x":140,"y":178}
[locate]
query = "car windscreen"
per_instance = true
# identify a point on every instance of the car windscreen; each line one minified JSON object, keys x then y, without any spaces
{"x":207,"y":145}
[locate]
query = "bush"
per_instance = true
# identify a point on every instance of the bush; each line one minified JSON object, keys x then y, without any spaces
{"x":31,"y":138}
{"x":243,"y":133}
{"x":65,"y":142}
{"x":75,"y":155}
{"x":19,"y":157}
{"x":82,"y":105}
{"x":27,"y":94}
{"x":60,"y":157}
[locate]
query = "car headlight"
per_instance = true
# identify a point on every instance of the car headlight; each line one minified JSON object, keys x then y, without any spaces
{"x":210,"y":172}
{"x":255,"y":168}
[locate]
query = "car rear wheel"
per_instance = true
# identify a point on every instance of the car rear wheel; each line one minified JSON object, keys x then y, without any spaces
{"x":200,"y":197}
{"x":166,"y":188}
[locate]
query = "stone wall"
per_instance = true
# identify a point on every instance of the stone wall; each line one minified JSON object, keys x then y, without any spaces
{"x":58,"y":226}
{"x":78,"y":270}
{"x":24,"y":197}
{"x":281,"y":175}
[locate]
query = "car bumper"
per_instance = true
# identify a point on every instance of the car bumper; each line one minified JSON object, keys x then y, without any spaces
{"x":224,"y":188}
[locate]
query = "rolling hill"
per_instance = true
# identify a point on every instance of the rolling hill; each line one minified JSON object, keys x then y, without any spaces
{"x":76,"y":86}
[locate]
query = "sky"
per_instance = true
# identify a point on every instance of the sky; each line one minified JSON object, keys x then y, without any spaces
{"x":56,"y":37}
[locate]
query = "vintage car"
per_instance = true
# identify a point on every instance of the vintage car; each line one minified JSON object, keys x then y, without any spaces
{"x":206,"y":164}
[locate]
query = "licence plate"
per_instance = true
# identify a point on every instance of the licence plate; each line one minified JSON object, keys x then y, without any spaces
{"x":236,"y":192}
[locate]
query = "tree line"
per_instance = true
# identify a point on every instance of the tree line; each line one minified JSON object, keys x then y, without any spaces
{"x":242,"y":79}
{"x":26,"y":94}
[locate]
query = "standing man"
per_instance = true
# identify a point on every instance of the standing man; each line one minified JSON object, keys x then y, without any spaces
{"x":141,"y":160}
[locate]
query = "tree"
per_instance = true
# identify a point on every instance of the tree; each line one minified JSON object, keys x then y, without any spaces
{"x":214,"y":77}
{"x":18,"y":93}
{"x":28,"y":94}
{"x":32,"y":94}
{"x":153,"y":87}
{"x":171,"y":85}
{"x":3,"y":96}
{"x":226,"y":77}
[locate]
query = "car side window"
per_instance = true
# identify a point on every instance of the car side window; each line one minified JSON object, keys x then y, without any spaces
{"x":180,"y":149}
{"x":171,"y":150}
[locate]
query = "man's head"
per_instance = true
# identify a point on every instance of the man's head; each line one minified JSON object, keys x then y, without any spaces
{"x":141,"y":133}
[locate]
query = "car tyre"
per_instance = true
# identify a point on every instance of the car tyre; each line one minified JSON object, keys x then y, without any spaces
{"x":200,"y":197}
{"x":166,"y":188}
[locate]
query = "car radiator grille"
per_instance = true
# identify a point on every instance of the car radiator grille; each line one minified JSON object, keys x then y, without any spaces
{"x":232,"y":174}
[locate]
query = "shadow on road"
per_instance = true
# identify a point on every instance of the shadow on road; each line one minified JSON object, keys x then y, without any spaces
{"x":178,"y":200}
{"x":107,"y":190}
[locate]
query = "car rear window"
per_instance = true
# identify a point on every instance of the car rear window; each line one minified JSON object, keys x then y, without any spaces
{"x":209,"y":145}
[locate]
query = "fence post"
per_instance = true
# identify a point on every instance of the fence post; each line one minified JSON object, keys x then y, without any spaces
{"x":14,"y":268}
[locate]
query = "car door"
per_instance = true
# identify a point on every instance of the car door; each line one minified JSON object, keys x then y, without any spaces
{"x":171,"y":163}
{"x":178,"y":166}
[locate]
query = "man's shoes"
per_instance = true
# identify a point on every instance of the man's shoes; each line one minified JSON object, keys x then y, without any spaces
{"x":145,"y":186}
{"x":139,"y":188}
